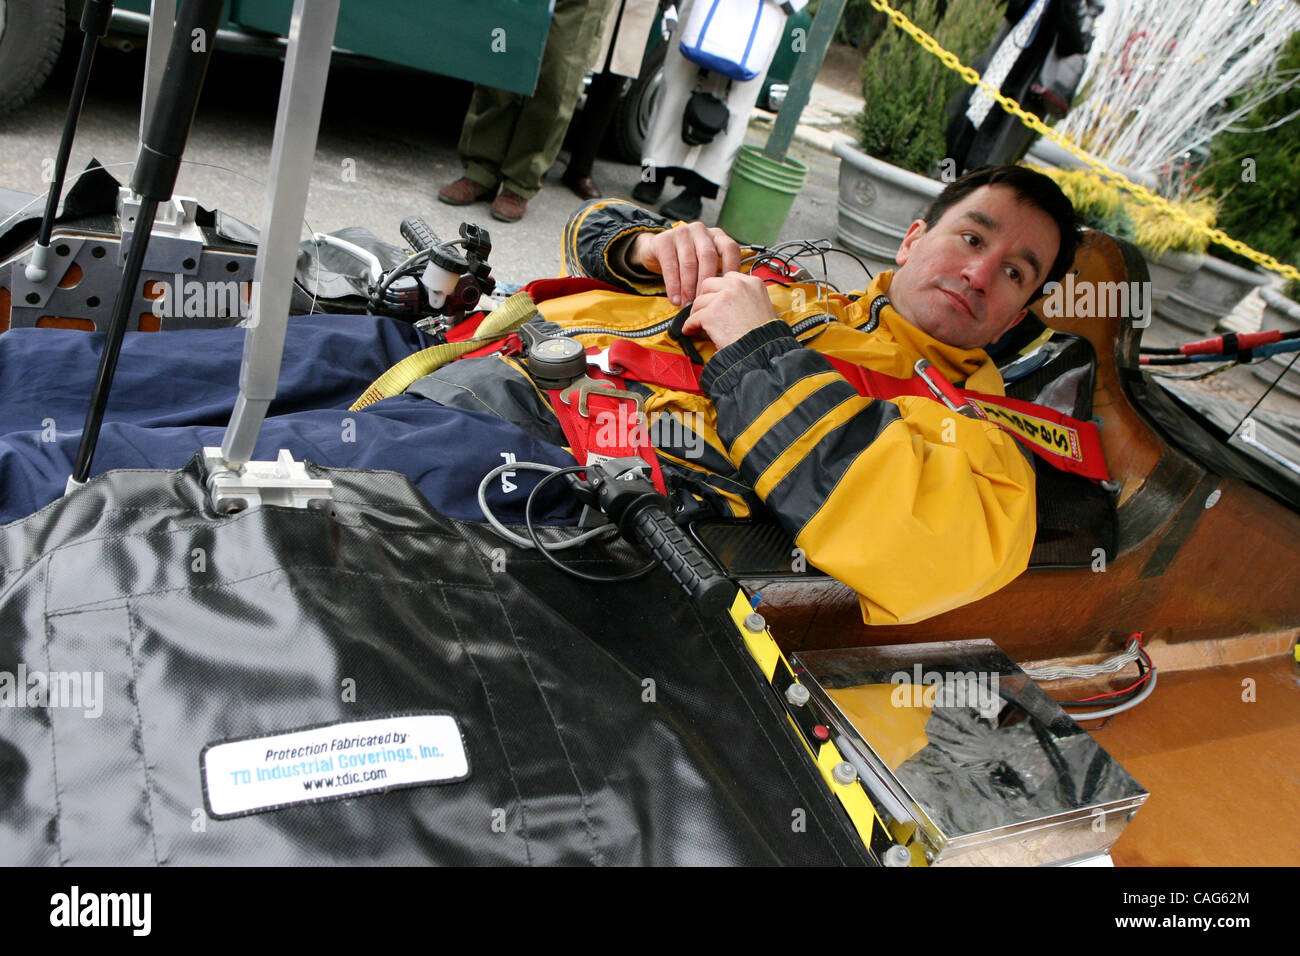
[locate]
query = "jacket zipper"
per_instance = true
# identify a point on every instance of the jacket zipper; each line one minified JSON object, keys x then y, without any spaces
{"x":812,"y":322}
{"x":634,"y":334}
{"x":799,"y":328}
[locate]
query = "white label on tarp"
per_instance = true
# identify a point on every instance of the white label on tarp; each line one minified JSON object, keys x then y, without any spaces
{"x":332,"y":761}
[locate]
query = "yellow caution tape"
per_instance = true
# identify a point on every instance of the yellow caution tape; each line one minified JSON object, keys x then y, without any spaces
{"x":950,"y":60}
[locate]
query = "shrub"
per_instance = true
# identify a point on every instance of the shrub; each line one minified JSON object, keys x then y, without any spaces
{"x":905,"y":87}
{"x":1263,"y":213}
{"x":1111,"y":209}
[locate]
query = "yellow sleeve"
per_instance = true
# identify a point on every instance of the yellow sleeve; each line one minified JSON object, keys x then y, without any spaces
{"x":918,"y":509}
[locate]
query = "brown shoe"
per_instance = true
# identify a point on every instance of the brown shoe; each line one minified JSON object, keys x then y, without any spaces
{"x":463,"y":192}
{"x":584,"y":187}
{"x":509,"y":206}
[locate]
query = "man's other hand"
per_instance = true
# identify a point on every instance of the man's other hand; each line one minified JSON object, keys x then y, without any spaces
{"x":686,"y":256}
{"x":728,"y":307}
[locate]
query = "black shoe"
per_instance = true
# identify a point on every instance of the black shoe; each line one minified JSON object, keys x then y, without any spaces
{"x":648,"y":191}
{"x":686,"y":207}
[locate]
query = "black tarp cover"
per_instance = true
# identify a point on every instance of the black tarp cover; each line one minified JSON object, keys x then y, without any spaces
{"x":547,"y":677}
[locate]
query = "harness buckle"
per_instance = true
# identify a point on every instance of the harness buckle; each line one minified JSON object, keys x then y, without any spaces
{"x":586,"y":387}
{"x":604,"y":361}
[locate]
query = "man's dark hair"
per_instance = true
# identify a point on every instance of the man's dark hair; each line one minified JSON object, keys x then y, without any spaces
{"x":1030,"y":187}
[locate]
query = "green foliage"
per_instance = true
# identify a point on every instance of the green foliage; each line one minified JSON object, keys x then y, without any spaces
{"x":1102,"y":205}
{"x":1291,"y":289}
{"x":906,"y":88}
{"x":1265,"y":213}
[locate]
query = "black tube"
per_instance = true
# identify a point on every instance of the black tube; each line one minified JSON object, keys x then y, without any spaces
{"x":113,"y":341}
{"x":159,"y":159}
{"x":156,"y":167}
{"x":95,"y":16}
{"x":94,"y":24}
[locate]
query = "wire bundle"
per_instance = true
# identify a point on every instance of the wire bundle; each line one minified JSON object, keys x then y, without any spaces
{"x":1102,"y":706}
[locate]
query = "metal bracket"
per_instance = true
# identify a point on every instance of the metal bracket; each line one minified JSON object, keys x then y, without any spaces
{"x":175,"y":239}
{"x":283,"y":483}
{"x":585,"y":387}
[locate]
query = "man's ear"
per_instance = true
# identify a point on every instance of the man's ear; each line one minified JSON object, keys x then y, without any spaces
{"x":914,"y":232}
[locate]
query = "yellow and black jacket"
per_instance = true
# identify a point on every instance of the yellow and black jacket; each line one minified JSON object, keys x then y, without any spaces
{"x":916,"y":508}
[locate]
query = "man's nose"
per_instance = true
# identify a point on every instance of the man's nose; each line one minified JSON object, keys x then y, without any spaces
{"x":979,"y":271}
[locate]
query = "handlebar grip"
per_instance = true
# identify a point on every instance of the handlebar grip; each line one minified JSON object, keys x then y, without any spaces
{"x":417,"y":234}
{"x":654,"y":529}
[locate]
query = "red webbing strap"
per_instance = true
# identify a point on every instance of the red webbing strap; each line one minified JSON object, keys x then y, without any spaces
{"x":510,"y":345}
{"x":612,"y":427}
{"x":1069,"y":444}
{"x":667,"y":369}
{"x":539,"y":290}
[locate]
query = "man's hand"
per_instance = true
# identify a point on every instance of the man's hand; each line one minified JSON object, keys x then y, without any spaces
{"x":686,"y":256}
{"x":728,"y":307}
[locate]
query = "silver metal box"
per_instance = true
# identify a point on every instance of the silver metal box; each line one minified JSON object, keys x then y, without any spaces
{"x":970,"y":762}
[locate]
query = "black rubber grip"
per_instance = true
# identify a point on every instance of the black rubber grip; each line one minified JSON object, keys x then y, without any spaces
{"x":95,"y":16}
{"x":417,"y":234}
{"x":654,"y":529}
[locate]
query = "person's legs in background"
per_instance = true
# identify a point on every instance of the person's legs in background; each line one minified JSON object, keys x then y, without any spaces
{"x":590,"y":127}
{"x":544,"y":117}
{"x":484,"y":138}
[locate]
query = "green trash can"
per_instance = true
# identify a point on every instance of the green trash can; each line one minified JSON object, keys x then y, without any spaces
{"x":759,"y":196}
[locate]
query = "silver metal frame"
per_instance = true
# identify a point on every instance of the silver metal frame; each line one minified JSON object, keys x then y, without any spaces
{"x":297,"y":123}
{"x":162,"y":24}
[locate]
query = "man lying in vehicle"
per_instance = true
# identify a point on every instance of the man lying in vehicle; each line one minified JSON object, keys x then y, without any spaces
{"x":917,"y":506}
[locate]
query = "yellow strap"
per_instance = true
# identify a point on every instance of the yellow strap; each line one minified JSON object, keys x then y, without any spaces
{"x":511,"y":314}
{"x":950,"y":60}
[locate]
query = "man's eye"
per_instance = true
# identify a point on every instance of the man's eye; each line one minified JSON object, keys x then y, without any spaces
{"x":1014,"y":273}
{"x":971,"y":239}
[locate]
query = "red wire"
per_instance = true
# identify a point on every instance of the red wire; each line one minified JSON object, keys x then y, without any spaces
{"x":1137,"y":683}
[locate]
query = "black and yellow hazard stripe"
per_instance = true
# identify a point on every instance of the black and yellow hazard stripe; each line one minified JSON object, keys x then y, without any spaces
{"x":776,"y":669}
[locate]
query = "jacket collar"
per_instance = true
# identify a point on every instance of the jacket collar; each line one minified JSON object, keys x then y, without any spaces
{"x":954,"y":363}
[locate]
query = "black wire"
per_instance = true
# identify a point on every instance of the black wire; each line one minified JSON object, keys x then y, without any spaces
{"x":1111,"y":701}
{"x":532,"y":534}
{"x":388,"y":278}
{"x":854,"y":257}
{"x":1064,"y":779}
{"x":1264,"y":396}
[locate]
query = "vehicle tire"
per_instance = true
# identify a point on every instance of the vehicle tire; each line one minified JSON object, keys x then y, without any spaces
{"x":31,"y":36}
{"x":627,"y":131}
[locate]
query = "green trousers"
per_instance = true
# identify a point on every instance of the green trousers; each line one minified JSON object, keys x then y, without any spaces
{"x":512,"y":139}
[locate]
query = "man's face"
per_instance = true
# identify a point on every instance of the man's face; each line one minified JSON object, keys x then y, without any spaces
{"x":968,"y":280}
